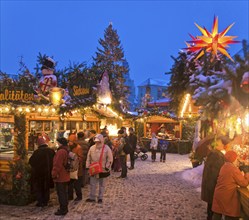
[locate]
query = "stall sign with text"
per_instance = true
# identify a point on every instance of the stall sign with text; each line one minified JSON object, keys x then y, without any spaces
{"x":15,"y":94}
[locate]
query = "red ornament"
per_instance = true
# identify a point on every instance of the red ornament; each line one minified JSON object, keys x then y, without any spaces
{"x":18,"y":175}
{"x":245,"y":82}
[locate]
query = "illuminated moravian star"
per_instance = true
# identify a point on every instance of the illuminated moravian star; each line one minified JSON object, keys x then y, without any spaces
{"x":213,"y":42}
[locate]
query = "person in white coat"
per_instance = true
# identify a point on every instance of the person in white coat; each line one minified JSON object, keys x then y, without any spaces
{"x":153,"y":146}
{"x":107,"y":159}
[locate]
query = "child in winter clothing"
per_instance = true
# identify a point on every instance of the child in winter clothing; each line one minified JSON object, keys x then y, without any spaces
{"x":153,"y":146}
{"x":163,"y":147}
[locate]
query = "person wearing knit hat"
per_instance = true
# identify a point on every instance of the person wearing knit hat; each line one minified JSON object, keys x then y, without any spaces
{"x":226,"y":201}
{"x":72,"y":137}
{"x":231,"y":156}
{"x":41,"y":141}
{"x":41,"y":162}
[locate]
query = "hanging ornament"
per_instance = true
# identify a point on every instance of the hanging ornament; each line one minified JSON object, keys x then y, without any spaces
{"x":245,"y":82}
{"x":213,"y":42}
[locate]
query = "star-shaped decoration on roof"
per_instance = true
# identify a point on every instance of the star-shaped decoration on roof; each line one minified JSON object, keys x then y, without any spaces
{"x":212,"y":42}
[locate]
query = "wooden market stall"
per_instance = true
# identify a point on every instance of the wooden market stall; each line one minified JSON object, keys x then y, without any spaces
{"x":167,"y":129}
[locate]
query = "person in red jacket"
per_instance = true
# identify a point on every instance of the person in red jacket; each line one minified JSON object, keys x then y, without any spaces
{"x":226,"y":201}
{"x":61,"y":176}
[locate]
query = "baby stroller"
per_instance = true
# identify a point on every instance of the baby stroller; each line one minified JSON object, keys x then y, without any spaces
{"x":141,"y":152}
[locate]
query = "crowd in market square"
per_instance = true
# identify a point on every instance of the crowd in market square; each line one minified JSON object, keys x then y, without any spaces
{"x":220,"y":180}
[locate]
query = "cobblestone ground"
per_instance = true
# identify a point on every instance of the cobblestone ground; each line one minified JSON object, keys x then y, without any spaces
{"x":153,"y":190}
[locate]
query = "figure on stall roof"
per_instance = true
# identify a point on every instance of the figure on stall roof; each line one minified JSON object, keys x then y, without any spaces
{"x":48,"y":79}
{"x":226,"y":199}
{"x":214,"y":162}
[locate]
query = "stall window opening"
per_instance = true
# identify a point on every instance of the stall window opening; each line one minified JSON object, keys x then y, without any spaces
{"x":6,"y":137}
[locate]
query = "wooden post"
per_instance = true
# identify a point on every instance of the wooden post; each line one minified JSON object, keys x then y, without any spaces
{"x":180,"y":125}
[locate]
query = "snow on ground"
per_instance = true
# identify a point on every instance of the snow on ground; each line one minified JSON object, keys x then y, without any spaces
{"x":194,"y":176}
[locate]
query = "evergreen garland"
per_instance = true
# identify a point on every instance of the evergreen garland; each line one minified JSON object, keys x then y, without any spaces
{"x":20,"y":170}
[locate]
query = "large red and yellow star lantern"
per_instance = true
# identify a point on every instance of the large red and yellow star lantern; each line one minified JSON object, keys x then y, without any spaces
{"x":213,"y":42}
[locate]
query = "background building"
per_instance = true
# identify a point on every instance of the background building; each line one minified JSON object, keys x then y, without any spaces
{"x":151,"y":90}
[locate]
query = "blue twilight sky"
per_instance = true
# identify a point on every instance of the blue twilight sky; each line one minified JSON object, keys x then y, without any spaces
{"x":150,"y":31}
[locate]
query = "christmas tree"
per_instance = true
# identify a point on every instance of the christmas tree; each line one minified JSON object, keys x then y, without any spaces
{"x":180,"y":73}
{"x":110,"y":58}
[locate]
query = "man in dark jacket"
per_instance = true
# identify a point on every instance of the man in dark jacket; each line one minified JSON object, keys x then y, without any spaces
{"x":41,"y":162}
{"x":61,"y":176}
{"x":212,"y":166}
{"x":92,"y":134}
{"x":132,"y":138}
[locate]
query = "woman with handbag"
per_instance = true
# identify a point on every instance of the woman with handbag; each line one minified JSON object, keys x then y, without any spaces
{"x":99,"y":161}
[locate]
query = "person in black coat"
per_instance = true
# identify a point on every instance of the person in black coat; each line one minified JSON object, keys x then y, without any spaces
{"x":132,"y":138}
{"x":41,"y":163}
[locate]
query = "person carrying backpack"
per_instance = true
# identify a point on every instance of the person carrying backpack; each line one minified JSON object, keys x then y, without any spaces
{"x":61,"y":176}
{"x":75,"y":181}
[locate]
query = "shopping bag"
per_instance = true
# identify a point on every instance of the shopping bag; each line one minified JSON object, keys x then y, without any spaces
{"x":95,"y":168}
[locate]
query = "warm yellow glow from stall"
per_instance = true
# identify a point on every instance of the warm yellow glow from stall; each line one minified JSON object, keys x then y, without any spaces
{"x":185,"y":104}
{"x":113,"y":129}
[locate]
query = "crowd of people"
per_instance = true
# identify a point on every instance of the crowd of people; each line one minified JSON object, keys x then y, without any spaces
{"x":220,"y":181}
{"x":49,"y":166}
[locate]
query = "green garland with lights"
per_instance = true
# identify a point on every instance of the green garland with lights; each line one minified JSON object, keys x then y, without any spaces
{"x":20,"y":170}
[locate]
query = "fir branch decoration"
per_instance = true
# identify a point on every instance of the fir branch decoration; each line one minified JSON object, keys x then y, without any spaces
{"x":19,"y":167}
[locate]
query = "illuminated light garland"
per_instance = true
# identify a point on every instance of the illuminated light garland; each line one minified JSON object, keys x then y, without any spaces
{"x":185,"y":104}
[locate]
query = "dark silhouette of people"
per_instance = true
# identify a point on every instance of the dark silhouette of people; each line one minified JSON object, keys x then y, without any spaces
{"x":41,"y":162}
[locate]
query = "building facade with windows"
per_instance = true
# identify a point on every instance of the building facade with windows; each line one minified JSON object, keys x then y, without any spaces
{"x":151,"y":90}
